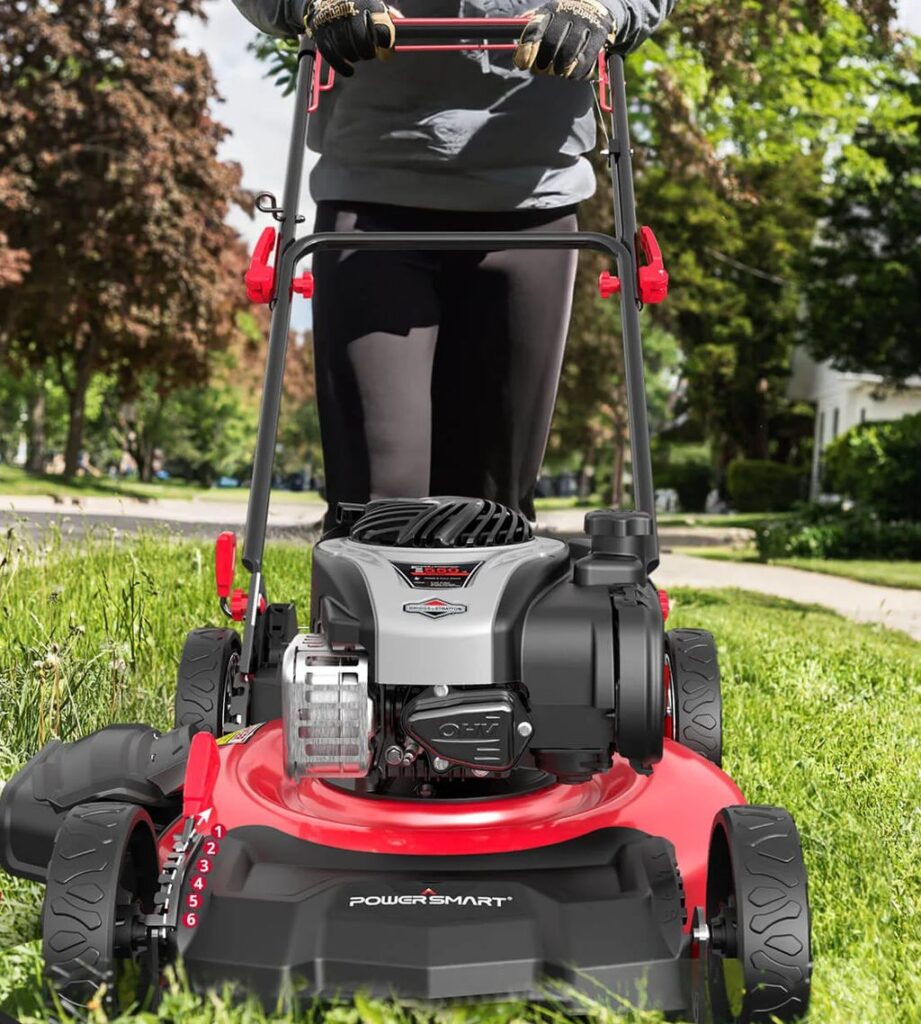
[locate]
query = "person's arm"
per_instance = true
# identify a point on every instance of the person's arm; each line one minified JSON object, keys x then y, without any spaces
{"x":636,"y":20}
{"x":274,"y":17}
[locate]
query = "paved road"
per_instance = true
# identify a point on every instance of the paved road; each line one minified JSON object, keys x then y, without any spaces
{"x":205,"y":519}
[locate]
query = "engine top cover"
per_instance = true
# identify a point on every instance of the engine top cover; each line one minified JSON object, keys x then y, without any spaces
{"x":436,"y":523}
{"x":444,"y":614}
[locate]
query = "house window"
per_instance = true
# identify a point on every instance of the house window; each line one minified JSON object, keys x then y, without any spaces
{"x":834,"y":424}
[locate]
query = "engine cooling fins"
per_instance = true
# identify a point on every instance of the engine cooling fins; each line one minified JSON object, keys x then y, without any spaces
{"x":439,"y":523}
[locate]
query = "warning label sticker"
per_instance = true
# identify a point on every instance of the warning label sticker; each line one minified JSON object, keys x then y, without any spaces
{"x":240,"y":736}
{"x":422,"y":576}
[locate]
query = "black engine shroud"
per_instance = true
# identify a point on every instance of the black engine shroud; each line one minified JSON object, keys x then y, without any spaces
{"x":572,"y":637}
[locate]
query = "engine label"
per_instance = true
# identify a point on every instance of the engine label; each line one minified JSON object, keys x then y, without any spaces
{"x":434,"y":608}
{"x":423,"y":576}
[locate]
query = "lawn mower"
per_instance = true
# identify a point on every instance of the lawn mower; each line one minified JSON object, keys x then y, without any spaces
{"x":485,"y":769}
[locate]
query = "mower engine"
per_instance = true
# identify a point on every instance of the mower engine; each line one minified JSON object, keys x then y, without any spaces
{"x":450,"y":644}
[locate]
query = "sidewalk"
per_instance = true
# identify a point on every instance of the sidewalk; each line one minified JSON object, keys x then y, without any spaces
{"x":860,"y":602}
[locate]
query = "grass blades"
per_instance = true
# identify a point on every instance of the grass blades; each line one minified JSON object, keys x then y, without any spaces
{"x":820,"y":716}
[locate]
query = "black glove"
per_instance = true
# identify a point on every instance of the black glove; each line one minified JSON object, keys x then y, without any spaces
{"x":349,"y":30}
{"x":564,"y":38}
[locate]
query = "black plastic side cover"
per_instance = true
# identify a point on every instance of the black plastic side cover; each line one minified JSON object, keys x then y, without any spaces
{"x":128,"y":763}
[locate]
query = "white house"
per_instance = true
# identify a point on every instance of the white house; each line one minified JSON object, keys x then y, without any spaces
{"x":842,"y":400}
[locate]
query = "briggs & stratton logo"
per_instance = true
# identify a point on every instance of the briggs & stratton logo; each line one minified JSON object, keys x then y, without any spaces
{"x":434,"y":608}
{"x":429,"y":898}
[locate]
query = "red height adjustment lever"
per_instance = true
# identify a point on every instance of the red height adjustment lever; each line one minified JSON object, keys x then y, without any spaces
{"x":652,"y":277}
{"x":233,"y":602}
{"x":260,"y":278}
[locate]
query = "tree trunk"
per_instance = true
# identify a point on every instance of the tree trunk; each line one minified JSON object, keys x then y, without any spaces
{"x":144,"y":459}
{"x":77,"y":412}
{"x":35,"y":445}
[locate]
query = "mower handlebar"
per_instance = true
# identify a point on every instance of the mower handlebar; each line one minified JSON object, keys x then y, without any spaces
{"x":458,"y":30}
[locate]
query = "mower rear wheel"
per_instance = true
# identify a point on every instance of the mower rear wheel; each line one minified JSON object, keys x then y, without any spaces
{"x":758,"y":959}
{"x":207,"y":670}
{"x":102,"y":879}
{"x":692,"y":674}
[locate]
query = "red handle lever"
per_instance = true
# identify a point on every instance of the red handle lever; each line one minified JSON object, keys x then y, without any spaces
{"x":201,"y":773}
{"x":653,"y":277}
{"x":260,"y":278}
{"x":225,"y":563}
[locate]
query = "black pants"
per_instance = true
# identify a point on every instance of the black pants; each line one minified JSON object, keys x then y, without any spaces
{"x":437,"y":372}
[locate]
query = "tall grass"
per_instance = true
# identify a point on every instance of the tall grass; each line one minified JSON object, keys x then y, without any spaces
{"x":821,"y":716}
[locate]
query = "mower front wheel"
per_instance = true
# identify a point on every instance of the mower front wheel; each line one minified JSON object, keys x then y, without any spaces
{"x":102,"y":880}
{"x":759,"y":962}
{"x":207,"y":672}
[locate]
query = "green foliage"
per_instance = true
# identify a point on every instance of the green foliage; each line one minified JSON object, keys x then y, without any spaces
{"x":822,"y":532}
{"x":815,"y":719}
{"x":879,"y":464}
{"x":689,"y":470}
{"x":864,"y":289}
{"x":757,"y":485}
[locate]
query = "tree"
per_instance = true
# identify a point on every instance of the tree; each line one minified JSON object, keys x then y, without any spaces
{"x":105,"y":126}
{"x":737,"y":109}
{"x":865,"y":273}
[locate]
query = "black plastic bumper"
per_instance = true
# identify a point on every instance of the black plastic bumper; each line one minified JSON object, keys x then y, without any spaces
{"x":602,"y":914}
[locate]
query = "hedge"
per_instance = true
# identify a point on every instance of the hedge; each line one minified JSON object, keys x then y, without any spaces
{"x":879,"y":465}
{"x":758,"y":485}
{"x":822,"y":532}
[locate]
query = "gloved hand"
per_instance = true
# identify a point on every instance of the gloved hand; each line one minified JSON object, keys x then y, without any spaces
{"x":349,"y":30}
{"x":563,"y":37}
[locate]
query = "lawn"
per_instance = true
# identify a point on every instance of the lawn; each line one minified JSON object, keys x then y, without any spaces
{"x":817,"y":718}
{"x":906,"y":575}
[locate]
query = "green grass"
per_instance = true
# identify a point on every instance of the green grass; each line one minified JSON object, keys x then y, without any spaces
{"x":818,"y":718}
{"x":16,"y":482}
{"x":905,"y":575}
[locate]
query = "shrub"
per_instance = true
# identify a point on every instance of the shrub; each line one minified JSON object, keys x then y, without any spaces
{"x":692,"y":481}
{"x":879,"y":464}
{"x":757,"y":485}
{"x":823,"y":532}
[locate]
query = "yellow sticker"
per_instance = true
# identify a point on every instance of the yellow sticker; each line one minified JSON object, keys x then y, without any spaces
{"x":240,"y":736}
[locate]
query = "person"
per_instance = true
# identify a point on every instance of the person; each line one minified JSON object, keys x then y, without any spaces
{"x":437,"y":372}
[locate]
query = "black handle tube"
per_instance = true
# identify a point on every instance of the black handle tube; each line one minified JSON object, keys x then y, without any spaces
{"x":644,"y":495}
{"x":264,"y":461}
{"x":456,"y":30}
{"x":426,"y":241}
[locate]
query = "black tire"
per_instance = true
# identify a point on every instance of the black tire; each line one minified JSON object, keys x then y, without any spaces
{"x":210,"y":661}
{"x":102,"y":876}
{"x":696,"y":701}
{"x":759,"y":961}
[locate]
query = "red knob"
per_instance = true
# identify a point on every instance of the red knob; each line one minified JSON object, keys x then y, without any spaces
{"x":303,"y":285}
{"x":608,"y":284}
{"x":239,"y":602}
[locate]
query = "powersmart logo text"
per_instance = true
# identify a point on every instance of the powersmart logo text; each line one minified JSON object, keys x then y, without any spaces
{"x":429,"y":898}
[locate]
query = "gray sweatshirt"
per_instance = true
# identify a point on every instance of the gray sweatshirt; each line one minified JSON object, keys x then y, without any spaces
{"x":455,"y":131}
